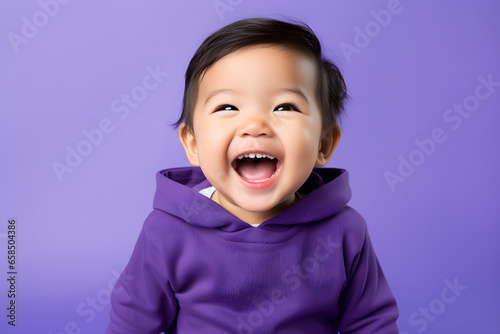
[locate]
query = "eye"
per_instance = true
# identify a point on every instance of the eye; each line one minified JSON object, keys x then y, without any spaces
{"x":286,"y":107}
{"x":225,"y":107}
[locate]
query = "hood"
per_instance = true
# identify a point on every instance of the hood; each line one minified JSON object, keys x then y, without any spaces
{"x":326,"y":192}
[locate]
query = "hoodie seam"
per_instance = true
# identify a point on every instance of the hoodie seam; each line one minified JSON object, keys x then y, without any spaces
{"x":260,"y":242}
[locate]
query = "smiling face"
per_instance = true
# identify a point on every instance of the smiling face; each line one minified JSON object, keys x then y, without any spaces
{"x":257,"y":130}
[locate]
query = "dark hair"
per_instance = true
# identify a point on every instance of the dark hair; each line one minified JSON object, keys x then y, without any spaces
{"x":330,"y":86}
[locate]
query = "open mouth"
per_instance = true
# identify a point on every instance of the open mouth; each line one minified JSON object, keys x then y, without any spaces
{"x":256,"y":167}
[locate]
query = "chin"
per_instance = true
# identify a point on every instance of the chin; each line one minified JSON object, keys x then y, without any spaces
{"x":253,"y":204}
{"x":261,"y":205}
{"x":257,"y":208}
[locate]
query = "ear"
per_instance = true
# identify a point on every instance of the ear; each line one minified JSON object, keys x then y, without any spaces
{"x":329,"y":141}
{"x":189,"y":142}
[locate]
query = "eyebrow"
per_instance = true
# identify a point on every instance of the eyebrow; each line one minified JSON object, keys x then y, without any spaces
{"x":218,"y":91}
{"x":295,"y":91}
{"x":288,"y":90}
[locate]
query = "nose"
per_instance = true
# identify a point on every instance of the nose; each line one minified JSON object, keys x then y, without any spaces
{"x":255,"y":124}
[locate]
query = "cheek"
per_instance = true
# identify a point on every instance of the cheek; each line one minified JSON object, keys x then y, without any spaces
{"x":304,"y":140}
{"x":211,"y":144}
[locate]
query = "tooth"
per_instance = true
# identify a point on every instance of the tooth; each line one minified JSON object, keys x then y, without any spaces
{"x":256,"y":155}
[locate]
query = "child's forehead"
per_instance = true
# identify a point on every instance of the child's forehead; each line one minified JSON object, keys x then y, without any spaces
{"x":264,"y":66}
{"x":256,"y":50}
{"x":271,"y":55}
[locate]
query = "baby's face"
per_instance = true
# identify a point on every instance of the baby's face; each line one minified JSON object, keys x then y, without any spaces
{"x":257,"y":130}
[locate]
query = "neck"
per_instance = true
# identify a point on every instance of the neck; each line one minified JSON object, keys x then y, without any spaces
{"x":252,"y":217}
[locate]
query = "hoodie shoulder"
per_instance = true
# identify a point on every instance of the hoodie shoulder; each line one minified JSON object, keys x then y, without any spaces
{"x":159,"y":228}
{"x":354,"y":227}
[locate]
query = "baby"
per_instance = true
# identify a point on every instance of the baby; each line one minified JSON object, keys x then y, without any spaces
{"x":256,"y":238}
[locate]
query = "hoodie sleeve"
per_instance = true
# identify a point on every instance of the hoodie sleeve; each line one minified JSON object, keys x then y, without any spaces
{"x":142,"y":301}
{"x":366,"y":302}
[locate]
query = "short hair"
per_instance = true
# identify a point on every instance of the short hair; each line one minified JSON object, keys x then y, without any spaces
{"x":331,"y":88}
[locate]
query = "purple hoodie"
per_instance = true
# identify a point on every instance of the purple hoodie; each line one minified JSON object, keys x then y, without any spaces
{"x":196,"y":268}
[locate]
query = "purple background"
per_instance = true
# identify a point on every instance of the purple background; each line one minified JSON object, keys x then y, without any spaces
{"x":440,"y":224}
